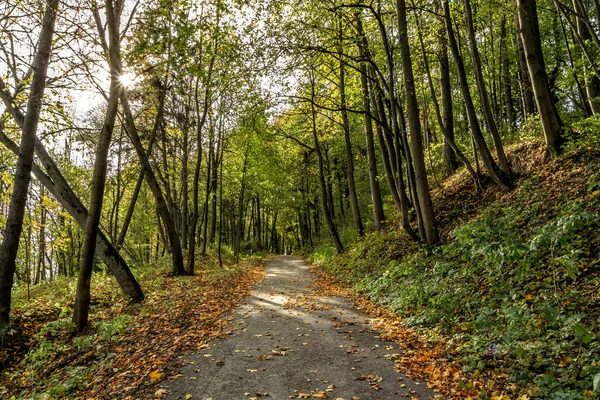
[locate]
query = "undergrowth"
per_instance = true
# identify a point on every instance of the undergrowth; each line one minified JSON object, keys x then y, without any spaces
{"x":514,"y":288}
{"x":127,"y":348}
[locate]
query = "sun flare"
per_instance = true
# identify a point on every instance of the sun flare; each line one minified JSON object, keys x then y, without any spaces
{"x":127,"y":79}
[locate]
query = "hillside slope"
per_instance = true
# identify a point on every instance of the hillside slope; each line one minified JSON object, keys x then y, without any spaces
{"x":511,"y":296}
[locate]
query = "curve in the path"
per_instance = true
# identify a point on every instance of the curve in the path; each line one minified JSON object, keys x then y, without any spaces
{"x":289,"y":343}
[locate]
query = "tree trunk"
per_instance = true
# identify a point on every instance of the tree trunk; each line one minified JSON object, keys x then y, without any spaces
{"x":82,"y":299}
{"x":450,"y":162}
{"x":483,"y":94}
{"x":592,"y":81}
{"x":509,"y":107}
{"x":532,"y":45}
{"x":60,"y":189}
{"x":528,"y":105}
{"x":446,"y":120}
{"x":18,"y":202}
{"x":358,"y":224}
{"x":378,"y":215}
{"x":185,"y":217}
{"x":176,"y":253}
{"x":490,"y":165}
{"x":414,"y":124}
{"x":325,"y":206}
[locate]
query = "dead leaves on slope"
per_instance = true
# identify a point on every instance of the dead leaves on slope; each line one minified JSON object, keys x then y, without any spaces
{"x":179,"y":314}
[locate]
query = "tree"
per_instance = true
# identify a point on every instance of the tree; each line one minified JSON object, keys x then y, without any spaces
{"x":532,"y":45}
{"x":414,"y":123}
{"x":14,"y":223}
{"x":82,"y":301}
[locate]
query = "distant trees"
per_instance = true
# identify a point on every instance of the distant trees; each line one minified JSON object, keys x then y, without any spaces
{"x":300,"y":124}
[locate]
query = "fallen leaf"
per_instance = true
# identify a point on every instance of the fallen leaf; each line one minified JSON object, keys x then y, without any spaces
{"x":160,"y":393}
{"x":155,"y":376}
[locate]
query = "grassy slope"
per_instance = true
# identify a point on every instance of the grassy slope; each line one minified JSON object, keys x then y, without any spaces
{"x":513,"y":291}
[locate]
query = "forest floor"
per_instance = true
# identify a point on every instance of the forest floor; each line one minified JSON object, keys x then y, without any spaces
{"x":128,"y":348}
{"x":291,"y":342}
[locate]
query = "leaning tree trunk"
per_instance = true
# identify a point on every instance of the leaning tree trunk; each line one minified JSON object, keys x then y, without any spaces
{"x":532,"y":45}
{"x":171,"y":231}
{"x":60,"y":189}
{"x":18,"y":202}
{"x":483,"y":93}
{"x":82,"y":298}
{"x":481,"y":147}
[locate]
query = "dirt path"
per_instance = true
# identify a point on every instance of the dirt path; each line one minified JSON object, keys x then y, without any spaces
{"x":288,"y":343}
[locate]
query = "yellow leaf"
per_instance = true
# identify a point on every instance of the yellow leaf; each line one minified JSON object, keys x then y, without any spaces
{"x":155,"y":376}
{"x":524,"y":397}
{"x":188,"y":396}
{"x":503,"y":397}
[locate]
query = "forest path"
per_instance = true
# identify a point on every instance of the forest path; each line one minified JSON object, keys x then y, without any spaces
{"x":290,"y":343}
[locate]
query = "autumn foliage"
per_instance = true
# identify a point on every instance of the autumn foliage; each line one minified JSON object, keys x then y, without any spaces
{"x":128,"y":348}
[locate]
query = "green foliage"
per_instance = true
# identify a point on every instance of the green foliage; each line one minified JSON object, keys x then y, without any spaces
{"x":112,"y":330}
{"x":515,"y":279}
{"x":322,"y":253}
{"x":585,"y":134}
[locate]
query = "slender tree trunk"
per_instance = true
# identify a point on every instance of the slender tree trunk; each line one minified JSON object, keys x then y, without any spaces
{"x":445,"y":121}
{"x":414,"y":124}
{"x":239,"y":234}
{"x":532,"y":45}
{"x":221,"y":204}
{"x":483,"y":93}
{"x":528,"y":105}
{"x":82,"y":300}
{"x":130,"y":210}
{"x":176,"y":253}
{"x":358,"y":224}
{"x":378,"y":214}
{"x":198,"y":166}
{"x":488,"y":161}
{"x":209,"y":190}
{"x":185,"y":212}
{"x":41,"y":258}
{"x":449,"y":155}
{"x":399,"y":196}
{"x":18,"y":202}
{"x":330,"y":224}
{"x":592,"y":82}
{"x":509,"y":107}
{"x":213,"y":186}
